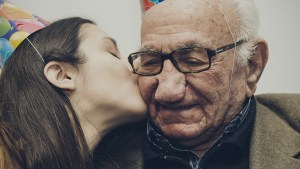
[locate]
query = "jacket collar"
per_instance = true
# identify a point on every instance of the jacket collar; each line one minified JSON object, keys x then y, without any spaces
{"x":274,"y":143}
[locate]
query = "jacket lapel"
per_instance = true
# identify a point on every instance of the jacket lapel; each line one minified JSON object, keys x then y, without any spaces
{"x":274,"y":143}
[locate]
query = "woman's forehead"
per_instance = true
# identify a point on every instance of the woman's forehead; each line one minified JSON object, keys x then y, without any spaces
{"x":91,"y":31}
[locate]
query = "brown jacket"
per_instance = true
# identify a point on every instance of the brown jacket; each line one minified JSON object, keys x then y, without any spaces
{"x":275,"y":141}
{"x":1,"y":159}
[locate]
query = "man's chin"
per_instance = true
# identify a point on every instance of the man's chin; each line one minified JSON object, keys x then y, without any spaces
{"x":181,"y":132}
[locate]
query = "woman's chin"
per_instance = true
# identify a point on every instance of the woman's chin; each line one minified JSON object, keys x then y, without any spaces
{"x":134,"y":110}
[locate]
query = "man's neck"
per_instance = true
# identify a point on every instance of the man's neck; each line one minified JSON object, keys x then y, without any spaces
{"x":202,"y":146}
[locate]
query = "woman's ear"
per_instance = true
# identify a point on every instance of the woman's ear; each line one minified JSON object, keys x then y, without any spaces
{"x":256,"y":65}
{"x":61,"y":75}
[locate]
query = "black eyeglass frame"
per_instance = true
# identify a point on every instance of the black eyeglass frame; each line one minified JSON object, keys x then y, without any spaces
{"x":210,"y":54}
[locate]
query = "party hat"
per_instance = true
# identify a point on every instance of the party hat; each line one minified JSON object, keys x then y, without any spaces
{"x":15,"y":25}
{"x":147,"y":4}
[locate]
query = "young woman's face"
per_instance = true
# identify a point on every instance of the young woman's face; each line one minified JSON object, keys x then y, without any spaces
{"x":104,"y":80}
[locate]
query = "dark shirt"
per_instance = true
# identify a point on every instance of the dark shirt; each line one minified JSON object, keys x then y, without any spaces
{"x":231,"y":150}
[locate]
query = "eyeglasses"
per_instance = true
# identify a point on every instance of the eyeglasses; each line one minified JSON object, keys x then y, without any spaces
{"x":186,"y":60}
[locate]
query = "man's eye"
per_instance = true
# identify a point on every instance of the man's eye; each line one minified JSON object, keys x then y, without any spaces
{"x":151,"y":62}
{"x":192,"y":62}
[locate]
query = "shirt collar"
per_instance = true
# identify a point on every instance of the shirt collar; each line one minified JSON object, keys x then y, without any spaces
{"x":238,"y":132}
{"x":236,"y":122}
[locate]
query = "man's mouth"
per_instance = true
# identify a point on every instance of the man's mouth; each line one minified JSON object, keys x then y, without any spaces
{"x":175,"y":106}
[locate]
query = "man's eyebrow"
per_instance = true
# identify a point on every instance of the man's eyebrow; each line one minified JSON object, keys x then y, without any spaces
{"x":205,"y":43}
{"x":147,"y":48}
{"x":189,"y":44}
{"x":193,"y":43}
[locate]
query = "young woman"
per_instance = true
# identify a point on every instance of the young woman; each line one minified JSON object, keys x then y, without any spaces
{"x":61,"y":91}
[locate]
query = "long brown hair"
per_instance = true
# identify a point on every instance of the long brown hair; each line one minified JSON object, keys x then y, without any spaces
{"x":39,"y":128}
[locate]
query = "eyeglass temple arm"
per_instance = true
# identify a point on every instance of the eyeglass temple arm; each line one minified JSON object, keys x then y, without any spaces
{"x":227,"y":47}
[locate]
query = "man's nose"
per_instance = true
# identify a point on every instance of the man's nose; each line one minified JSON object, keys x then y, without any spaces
{"x":171,"y":84}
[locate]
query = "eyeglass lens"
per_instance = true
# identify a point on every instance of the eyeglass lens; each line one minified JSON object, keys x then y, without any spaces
{"x":186,"y":60}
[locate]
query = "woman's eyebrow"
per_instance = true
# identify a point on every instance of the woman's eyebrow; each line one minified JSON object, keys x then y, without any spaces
{"x":111,"y":39}
{"x":114,"y":42}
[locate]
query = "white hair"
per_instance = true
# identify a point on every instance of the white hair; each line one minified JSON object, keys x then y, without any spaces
{"x":247,"y":16}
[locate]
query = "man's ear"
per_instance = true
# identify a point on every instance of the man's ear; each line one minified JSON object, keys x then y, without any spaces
{"x":256,"y":65}
{"x":61,"y":75}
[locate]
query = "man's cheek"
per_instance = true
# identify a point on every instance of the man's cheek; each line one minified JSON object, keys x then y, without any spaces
{"x":147,"y":87}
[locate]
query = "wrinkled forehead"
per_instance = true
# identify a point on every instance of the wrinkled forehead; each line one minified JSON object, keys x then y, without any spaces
{"x":175,"y":17}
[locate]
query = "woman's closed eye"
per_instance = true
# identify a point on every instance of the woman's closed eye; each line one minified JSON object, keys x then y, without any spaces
{"x":111,"y":47}
{"x":115,"y":55}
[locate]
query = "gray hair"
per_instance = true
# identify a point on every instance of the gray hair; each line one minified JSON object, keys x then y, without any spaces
{"x":247,"y":16}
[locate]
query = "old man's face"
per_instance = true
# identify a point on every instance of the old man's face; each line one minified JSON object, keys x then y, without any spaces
{"x":192,"y":108}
